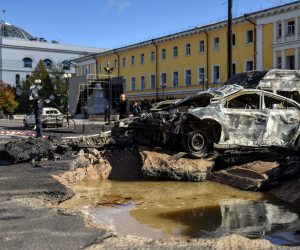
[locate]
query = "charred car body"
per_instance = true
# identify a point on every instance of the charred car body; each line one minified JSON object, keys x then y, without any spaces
{"x":225,"y":118}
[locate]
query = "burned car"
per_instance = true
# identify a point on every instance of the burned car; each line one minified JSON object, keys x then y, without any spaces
{"x":225,"y":118}
{"x":236,"y":117}
{"x":282,"y":82}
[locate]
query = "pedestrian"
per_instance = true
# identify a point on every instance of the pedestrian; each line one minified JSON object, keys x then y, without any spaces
{"x":136,"y":109}
{"x":106,"y":113}
{"x":38,"y":111}
{"x":123,"y":107}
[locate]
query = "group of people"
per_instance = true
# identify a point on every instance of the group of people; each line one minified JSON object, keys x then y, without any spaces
{"x":123,"y":109}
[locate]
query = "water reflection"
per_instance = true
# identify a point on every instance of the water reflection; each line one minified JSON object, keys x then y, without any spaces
{"x":178,"y":209}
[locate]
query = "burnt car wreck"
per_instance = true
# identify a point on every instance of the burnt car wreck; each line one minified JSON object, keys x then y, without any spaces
{"x":230,"y":117}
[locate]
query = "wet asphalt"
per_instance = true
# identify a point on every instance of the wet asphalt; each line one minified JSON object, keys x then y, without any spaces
{"x":25,"y":220}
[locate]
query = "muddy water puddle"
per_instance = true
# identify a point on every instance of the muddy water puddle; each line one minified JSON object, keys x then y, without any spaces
{"x":183,"y":210}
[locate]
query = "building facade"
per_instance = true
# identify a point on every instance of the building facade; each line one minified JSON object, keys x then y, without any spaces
{"x":20,"y":52}
{"x":179,"y":64}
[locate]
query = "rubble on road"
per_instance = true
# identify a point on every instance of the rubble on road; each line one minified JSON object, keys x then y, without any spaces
{"x":26,"y":150}
{"x":164,"y":165}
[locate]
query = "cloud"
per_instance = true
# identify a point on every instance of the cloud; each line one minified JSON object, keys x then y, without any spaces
{"x":119,"y":6}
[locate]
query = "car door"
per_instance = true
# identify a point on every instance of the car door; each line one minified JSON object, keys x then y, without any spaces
{"x":245,"y":120}
{"x":283,"y":122}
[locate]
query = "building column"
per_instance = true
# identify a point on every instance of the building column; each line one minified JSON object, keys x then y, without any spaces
{"x":283,"y":66}
{"x":282,"y":30}
{"x":296,"y":28}
{"x":296,"y":58}
{"x":259,"y":48}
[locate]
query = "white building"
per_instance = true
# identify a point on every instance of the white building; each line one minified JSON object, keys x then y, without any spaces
{"x":20,"y":52}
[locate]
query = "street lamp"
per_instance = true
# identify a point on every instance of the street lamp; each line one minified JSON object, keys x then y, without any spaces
{"x":109,"y":70}
{"x":37,"y":81}
{"x":67,"y":76}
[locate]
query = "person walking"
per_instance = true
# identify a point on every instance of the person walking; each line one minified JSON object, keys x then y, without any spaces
{"x":136,"y":109}
{"x":38,"y":111}
{"x":106,"y":113}
{"x":123,"y":107}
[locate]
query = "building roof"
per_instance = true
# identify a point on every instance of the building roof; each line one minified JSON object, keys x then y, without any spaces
{"x":11,"y":31}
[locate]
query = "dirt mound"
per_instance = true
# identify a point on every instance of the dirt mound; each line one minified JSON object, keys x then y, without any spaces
{"x":26,"y":150}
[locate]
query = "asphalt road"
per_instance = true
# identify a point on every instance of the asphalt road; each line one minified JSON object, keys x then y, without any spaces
{"x":25,"y":221}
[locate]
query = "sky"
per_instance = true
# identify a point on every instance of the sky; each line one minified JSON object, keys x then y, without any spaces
{"x":116,"y":23}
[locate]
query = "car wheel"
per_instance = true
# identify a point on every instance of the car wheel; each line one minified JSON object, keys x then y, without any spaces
{"x":198,"y":143}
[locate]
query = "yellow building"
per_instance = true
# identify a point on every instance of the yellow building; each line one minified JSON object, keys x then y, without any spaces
{"x":180,"y":64}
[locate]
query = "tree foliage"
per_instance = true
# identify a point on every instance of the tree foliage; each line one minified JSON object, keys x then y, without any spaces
{"x":7,"y":98}
{"x":52,"y":83}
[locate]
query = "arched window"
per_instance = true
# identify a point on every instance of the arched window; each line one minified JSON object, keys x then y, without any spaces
{"x":17,"y":80}
{"x":27,"y":62}
{"x":66,"y":65}
{"x":48,"y":63}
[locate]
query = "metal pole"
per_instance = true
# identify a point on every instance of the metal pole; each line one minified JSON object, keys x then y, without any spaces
{"x":229,"y":40}
{"x":109,"y":98}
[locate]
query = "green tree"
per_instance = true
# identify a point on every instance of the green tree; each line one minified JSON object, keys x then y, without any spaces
{"x":7,"y":98}
{"x":52,"y":84}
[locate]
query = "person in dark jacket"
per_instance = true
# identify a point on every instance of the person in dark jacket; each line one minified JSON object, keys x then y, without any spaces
{"x":106,"y":113}
{"x":123,"y":107}
{"x":38,"y":111}
{"x":136,"y":109}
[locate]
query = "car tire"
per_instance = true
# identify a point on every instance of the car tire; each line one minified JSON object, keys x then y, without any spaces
{"x":198,"y":143}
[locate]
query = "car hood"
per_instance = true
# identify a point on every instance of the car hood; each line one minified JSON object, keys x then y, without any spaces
{"x":202,"y":98}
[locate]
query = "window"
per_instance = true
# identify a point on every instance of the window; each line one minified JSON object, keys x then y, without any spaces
{"x":48,"y":63}
{"x":163,"y":79}
{"x":123,"y":62}
{"x":152,"y":56}
{"x":249,"y":36}
{"x":245,"y":101}
{"x":17,"y":80}
{"x":279,"y":62}
{"x":27,"y":62}
{"x":216,"y":73}
{"x":175,"y":78}
{"x":132,"y":83}
{"x":175,"y":51}
{"x":163,"y":54}
{"x":115,"y":63}
{"x":132,"y":60}
{"x":290,"y":27}
{"x":187,"y":49}
{"x":274,"y":103}
{"x":279,"y":29}
{"x":249,"y":66}
{"x":142,"y":58}
{"x":201,"y":46}
{"x":187,"y":77}
{"x":152,"y":81}
{"x":216,"y":43}
{"x":66,"y":65}
{"x":233,"y":40}
{"x":290,"y":62}
{"x":233,"y":69}
{"x":142,"y":82}
{"x":201,"y":75}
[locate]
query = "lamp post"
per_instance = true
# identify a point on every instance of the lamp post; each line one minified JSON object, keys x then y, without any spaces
{"x":67,"y":77}
{"x":109,"y":70}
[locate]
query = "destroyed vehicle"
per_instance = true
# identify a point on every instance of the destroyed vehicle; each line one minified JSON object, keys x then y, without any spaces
{"x":282,"y":82}
{"x":248,"y":80}
{"x":234,"y":117}
{"x":163,"y":105}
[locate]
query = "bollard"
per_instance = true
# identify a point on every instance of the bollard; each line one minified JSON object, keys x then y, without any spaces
{"x":83,"y":127}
